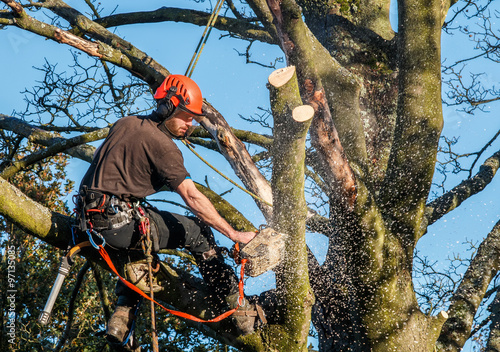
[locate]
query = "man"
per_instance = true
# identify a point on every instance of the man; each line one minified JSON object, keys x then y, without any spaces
{"x":137,"y":159}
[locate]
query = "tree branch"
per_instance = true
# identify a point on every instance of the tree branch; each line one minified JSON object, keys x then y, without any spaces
{"x":419,"y":117}
{"x":52,"y":150}
{"x":39,"y":136}
{"x":241,"y":27}
{"x":455,"y":197}
{"x":470,"y":293}
{"x":237,"y":155}
{"x":494,"y":337}
{"x":107,"y":46}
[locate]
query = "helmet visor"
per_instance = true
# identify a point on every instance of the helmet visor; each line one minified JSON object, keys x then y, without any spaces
{"x":197,"y":117}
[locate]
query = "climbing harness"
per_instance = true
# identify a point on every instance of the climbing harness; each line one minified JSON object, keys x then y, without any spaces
{"x":204,"y":38}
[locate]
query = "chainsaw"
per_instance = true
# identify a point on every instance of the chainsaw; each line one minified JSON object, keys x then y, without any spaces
{"x":263,"y":253}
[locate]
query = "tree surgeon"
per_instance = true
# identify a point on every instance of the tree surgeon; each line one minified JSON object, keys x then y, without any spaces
{"x":137,"y":159}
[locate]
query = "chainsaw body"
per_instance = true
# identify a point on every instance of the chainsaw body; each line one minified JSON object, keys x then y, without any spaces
{"x":264,"y":252}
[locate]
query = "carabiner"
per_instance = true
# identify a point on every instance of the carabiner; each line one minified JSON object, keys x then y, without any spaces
{"x":91,"y":240}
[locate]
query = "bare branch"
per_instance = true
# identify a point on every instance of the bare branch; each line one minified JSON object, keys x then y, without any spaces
{"x":54,"y":149}
{"x":38,"y":136}
{"x":451,"y":200}
{"x":470,"y":293}
{"x":110,"y":47}
{"x":243,"y":28}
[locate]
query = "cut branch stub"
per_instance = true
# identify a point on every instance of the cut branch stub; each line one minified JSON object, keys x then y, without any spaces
{"x":281,"y":76}
{"x":303,"y":113}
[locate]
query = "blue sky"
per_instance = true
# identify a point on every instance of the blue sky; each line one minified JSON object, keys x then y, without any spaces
{"x":236,"y":88}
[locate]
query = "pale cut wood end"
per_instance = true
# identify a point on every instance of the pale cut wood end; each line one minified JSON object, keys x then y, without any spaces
{"x":443,"y":314}
{"x":281,"y":76}
{"x":303,"y":113}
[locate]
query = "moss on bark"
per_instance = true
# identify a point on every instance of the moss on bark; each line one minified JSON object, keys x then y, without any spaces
{"x":289,"y":215}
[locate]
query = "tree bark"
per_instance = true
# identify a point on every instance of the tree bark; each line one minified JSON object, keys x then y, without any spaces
{"x":420,"y":119}
{"x":470,"y":293}
{"x":493,"y":344}
{"x":291,"y":122}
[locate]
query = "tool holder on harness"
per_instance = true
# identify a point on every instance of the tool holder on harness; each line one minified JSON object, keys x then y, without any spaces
{"x":101,"y":211}
{"x":64,"y":268}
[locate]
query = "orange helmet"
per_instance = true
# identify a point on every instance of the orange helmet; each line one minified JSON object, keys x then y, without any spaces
{"x":183,"y":92}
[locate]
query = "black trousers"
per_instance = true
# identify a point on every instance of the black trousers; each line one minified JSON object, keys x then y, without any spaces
{"x":173,"y":231}
{"x":176,"y":231}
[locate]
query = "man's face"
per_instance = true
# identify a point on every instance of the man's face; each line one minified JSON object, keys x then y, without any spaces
{"x":179,"y":123}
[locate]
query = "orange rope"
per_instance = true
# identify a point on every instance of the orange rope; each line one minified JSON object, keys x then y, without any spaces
{"x":106,"y":257}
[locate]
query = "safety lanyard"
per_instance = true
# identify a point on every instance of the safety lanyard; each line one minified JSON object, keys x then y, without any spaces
{"x":104,"y":254}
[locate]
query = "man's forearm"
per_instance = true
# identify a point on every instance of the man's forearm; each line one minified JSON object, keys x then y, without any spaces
{"x":204,"y":209}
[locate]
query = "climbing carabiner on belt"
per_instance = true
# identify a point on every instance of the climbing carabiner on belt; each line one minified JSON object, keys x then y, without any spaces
{"x":92,"y":233}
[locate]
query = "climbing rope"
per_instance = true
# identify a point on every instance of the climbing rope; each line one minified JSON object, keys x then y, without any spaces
{"x":147,"y":244}
{"x":189,"y":72}
{"x":187,"y":144}
{"x":204,"y":38}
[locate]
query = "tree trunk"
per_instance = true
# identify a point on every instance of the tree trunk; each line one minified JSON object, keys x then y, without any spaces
{"x":291,"y":122}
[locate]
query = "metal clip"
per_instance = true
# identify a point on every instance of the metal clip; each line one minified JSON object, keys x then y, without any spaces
{"x":91,"y":240}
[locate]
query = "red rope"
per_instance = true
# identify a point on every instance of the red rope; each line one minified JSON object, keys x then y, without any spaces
{"x":106,"y":257}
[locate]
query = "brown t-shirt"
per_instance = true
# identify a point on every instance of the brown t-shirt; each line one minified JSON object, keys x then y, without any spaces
{"x":136,"y":160}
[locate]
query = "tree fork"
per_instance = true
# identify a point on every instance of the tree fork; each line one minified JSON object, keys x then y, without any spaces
{"x":302,"y":50}
{"x":291,"y":123}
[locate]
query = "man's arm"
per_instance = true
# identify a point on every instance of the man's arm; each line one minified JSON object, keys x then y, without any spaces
{"x":204,"y":209}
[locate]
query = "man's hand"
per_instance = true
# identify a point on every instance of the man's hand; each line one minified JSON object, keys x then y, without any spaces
{"x":243,"y":237}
